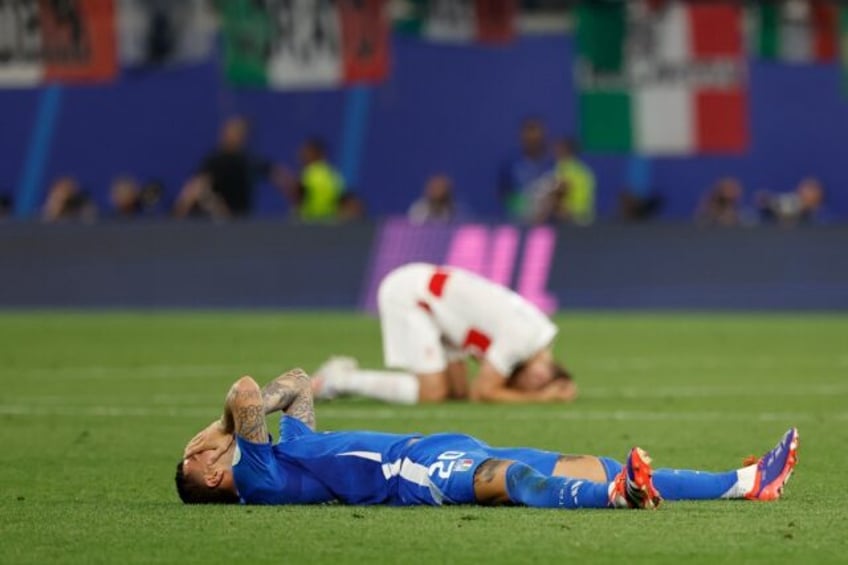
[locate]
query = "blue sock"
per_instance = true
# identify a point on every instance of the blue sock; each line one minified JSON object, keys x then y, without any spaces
{"x":678,"y":484}
{"x":526,"y":486}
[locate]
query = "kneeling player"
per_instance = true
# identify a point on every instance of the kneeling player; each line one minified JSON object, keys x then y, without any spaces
{"x":234,"y":460}
{"x":432,"y":318}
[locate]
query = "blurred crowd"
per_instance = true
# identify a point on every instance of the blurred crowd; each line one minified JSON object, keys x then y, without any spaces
{"x":222,"y":187}
{"x":545,"y":182}
{"x":724,"y":204}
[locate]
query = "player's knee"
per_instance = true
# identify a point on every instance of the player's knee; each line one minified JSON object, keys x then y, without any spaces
{"x":490,"y":481}
{"x":523,"y":477}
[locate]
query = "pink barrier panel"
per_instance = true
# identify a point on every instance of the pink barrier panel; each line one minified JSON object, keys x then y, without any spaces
{"x":491,"y":251}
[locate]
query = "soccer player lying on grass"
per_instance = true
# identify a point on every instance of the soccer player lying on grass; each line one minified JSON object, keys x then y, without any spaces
{"x":432,"y":318}
{"x":234,"y":460}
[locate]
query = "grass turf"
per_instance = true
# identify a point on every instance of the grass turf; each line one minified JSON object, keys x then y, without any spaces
{"x":95,"y":409}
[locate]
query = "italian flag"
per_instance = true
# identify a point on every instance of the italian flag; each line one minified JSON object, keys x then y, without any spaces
{"x":796,"y":31}
{"x":662,"y":77}
{"x":459,"y":21}
{"x":305,"y":44}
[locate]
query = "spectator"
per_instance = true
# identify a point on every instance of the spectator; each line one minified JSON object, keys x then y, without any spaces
{"x":132,"y":200}
{"x":224,"y":184}
{"x":436,"y":205}
{"x":67,"y":201}
{"x":637,"y":206}
{"x":578,"y":184}
{"x":805,"y":205}
{"x":721,"y":205}
{"x":529,"y":178}
{"x":547,"y":204}
{"x":318,"y":192}
{"x":639,"y":200}
{"x":6,"y":207}
{"x":351,"y":207}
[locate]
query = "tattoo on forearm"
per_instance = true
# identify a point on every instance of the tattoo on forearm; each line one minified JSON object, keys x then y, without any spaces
{"x":303,"y":409}
{"x":245,"y":410}
{"x":250,"y":423}
{"x":291,"y":392}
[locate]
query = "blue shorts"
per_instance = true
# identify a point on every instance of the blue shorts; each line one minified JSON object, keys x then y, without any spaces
{"x":439,"y":469}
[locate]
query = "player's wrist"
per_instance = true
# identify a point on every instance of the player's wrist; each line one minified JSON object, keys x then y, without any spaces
{"x":224,"y":425}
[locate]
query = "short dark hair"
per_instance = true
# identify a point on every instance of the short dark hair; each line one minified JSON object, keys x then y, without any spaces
{"x":560,"y":372}
{"x":193,"y":493}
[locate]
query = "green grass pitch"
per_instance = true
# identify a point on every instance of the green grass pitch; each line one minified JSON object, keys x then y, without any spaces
{"x":95,"y":409}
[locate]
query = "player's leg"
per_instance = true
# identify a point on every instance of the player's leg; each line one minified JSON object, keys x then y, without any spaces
{"x":341,"y":376}
{"x":582,"y":467}
{"x":682,"y":484}
{"x":500,"y":481}
{"x":552,"y":463}
{"x":410,"y":341}
{"x":762,"y":480}
{"x":459,"y":469}
{"x":673,"y":484}
{"x":457,"y":379}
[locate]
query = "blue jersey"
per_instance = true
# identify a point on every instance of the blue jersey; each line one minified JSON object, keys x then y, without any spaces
{"x":308,"y":467}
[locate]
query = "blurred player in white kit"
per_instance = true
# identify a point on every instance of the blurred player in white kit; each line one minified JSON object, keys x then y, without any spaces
{"x":433,"y":318}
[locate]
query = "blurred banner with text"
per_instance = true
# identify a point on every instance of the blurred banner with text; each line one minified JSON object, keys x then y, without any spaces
{"x":56,"y":41}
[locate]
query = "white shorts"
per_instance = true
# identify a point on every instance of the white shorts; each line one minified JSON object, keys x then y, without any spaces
{"x":411,"y":339}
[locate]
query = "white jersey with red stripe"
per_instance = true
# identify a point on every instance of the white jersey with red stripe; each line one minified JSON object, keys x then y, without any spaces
{"x":429,"y":314}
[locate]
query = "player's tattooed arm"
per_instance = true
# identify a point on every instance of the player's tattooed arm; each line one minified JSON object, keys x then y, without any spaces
{"x":291,"y":392}
{"x":247,"y":405}
{"x":244,"y":412}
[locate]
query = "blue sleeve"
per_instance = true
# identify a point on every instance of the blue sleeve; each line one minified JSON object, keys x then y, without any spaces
{"x":255,"y":473}
{"x":261,"y":478}
{"x":292,"y":428}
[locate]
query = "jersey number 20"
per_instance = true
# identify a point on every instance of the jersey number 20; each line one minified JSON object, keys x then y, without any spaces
{"x":445,"y":463}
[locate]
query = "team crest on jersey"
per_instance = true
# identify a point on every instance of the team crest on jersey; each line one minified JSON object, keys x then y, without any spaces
{"x":464,"y":465}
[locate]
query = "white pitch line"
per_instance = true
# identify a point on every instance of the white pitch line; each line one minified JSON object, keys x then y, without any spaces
{"x":365,"y":414}
{"x":568,"y":414}
{"x":205,"y":399}
{"x":107,"y":411}
{"x":695,"y":391}
{"x":683,"y":364}
{"x":146,"y":371}
{"x":624,"y":363}
{"x":734,"y":362}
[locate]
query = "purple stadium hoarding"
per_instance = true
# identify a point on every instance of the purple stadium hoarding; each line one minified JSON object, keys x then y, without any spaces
{"x":490,"y":251}
{"x":273,"y":265}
